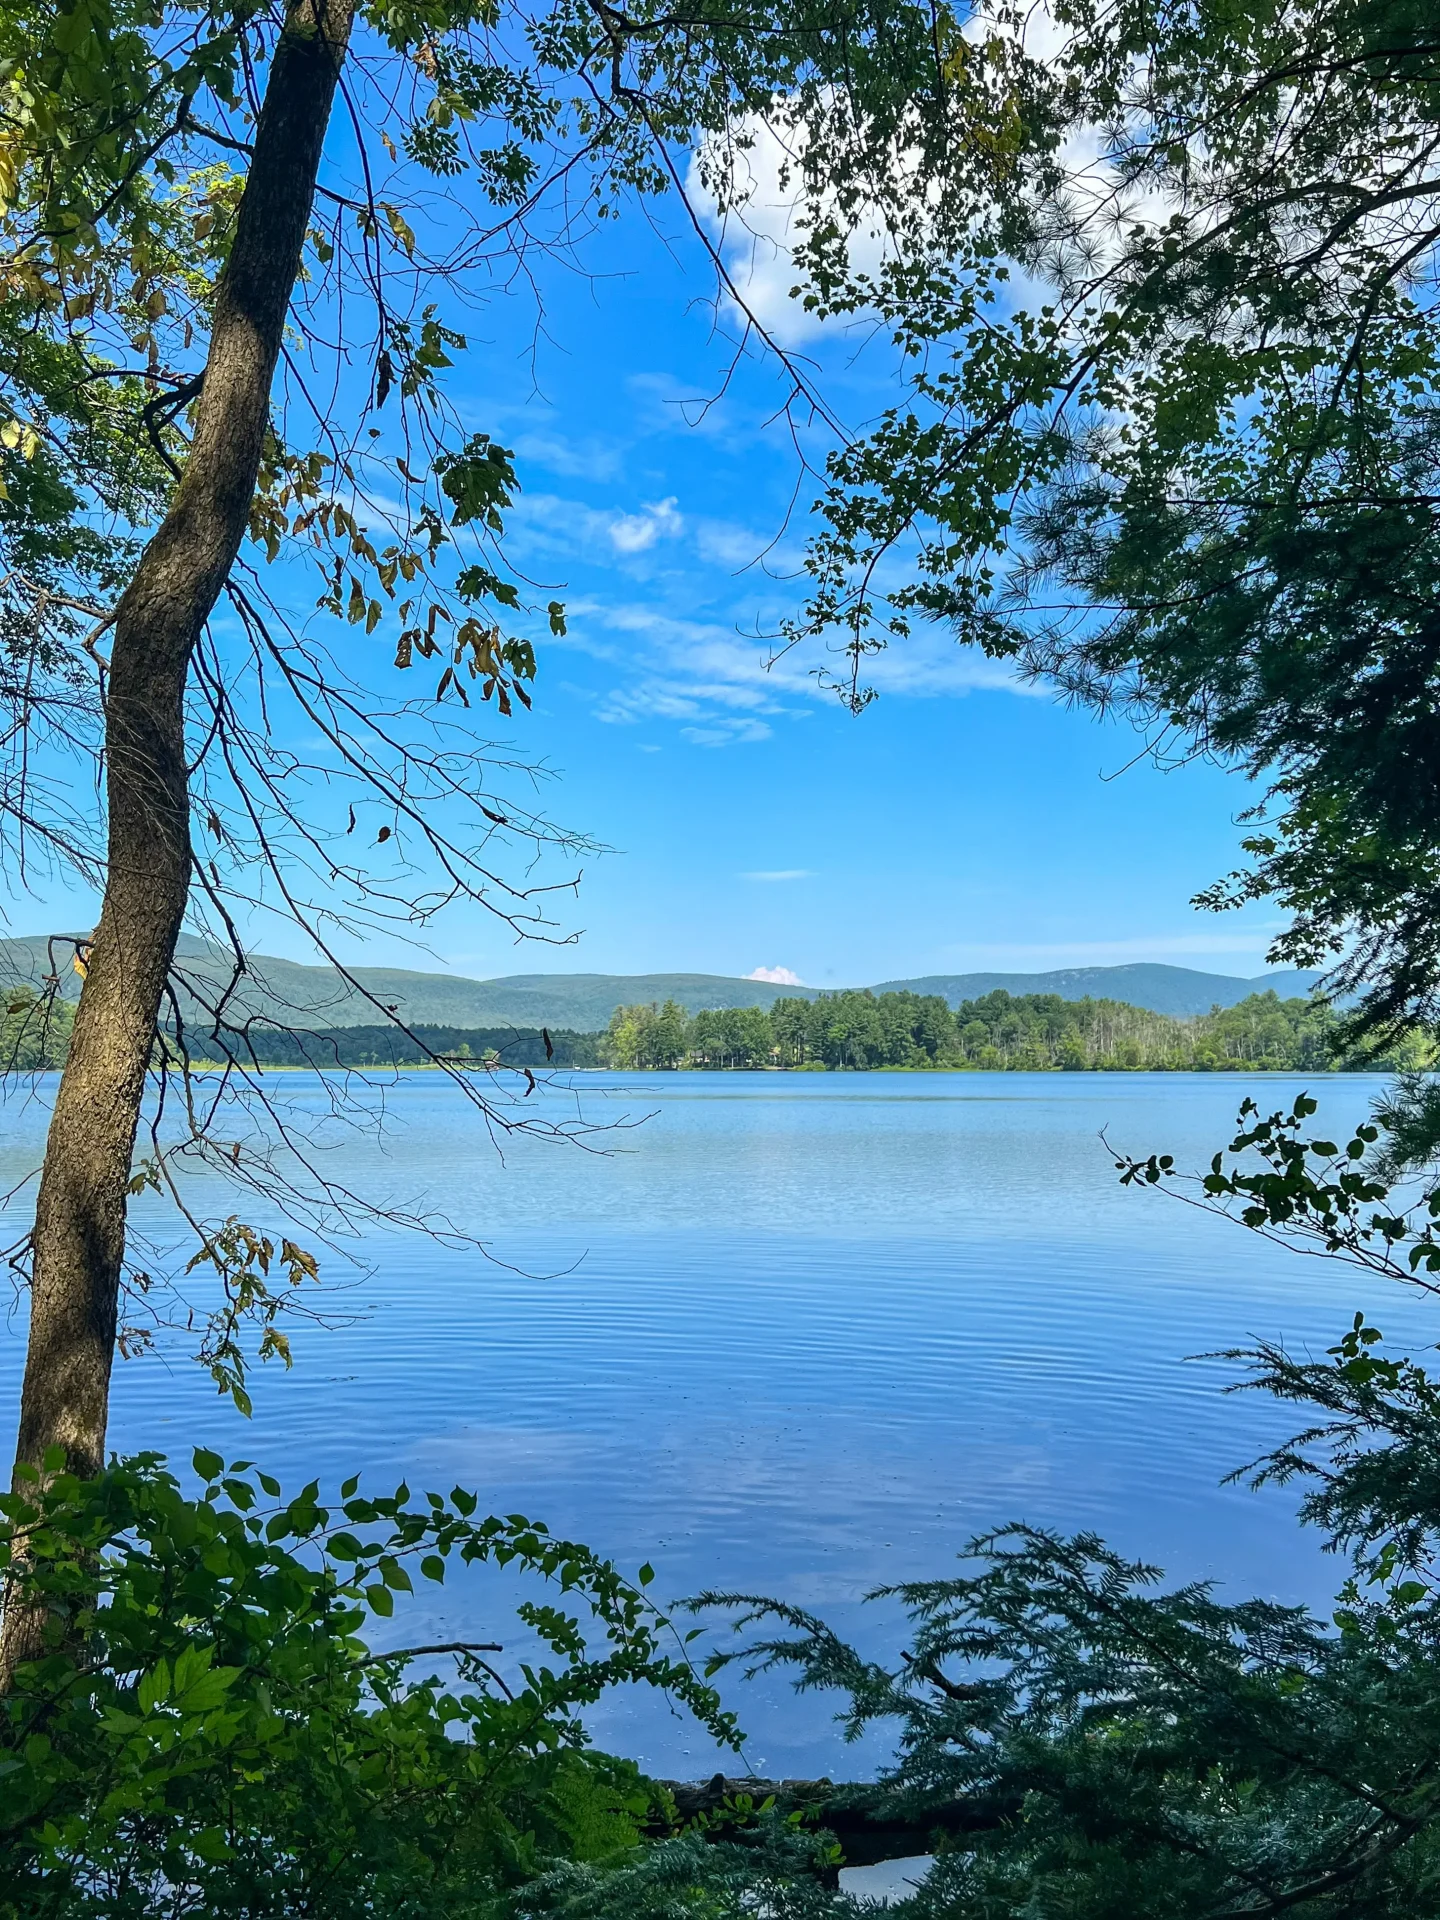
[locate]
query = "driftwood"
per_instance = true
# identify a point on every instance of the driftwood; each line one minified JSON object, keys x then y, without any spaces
{"x":867,"y":1829}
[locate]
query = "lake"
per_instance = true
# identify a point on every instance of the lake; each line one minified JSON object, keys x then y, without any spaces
{"x":800,"y":1334}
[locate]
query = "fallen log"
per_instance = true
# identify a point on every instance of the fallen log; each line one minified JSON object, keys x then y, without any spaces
{"x":868,"y":1827}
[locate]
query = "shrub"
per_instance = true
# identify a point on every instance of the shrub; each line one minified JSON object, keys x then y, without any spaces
{"x":209,"y":1732}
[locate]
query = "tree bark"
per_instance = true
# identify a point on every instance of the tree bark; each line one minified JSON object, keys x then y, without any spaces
{"x":79,"y":1235}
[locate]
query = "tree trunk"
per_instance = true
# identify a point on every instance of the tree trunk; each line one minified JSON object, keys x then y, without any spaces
{"x":79,"y":1234}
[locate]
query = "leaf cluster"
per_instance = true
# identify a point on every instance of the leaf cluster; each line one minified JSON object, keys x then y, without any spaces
{"x":1164,"y":317}
{"x":209,"y":1730}
{"x":1082,"y":1742}
{"x":1079,"y":1741}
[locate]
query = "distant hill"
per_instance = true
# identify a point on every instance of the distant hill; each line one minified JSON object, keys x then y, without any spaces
{"x":581,"y":1002}
{"x":584,"y":1002}
{"x":1180,"y":991}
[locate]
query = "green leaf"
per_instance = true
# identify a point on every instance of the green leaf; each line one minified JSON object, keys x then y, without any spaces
{"x":478,"y":481}
{"x":154,"y":1687}
{"x":210,"y":1843}
{"x":190,"y":1665}
{"x":393,"y":1574}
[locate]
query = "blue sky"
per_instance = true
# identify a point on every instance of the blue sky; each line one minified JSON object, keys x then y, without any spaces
{"x":962,"y":822}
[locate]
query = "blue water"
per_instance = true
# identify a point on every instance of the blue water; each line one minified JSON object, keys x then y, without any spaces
{"x":794,"y":1333}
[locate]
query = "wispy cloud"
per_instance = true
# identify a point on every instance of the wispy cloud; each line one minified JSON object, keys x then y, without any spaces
{"x":720,"y":684}
{"x":668,"y":700}
{"x":930,"y":663}
{"x":666,"y":406}
{"x":739,"y":549}
{"x":781,"y":873}
{"x":705,"y":676}
{"x":727,"y":733}
{"x":1246,"y":946}
{"x":573,"y":459}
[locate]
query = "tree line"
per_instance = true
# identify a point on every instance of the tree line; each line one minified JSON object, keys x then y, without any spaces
{"x":419,"y":1046}
{"x":35,"y":1032}
{"x":999,"y":1032}
{"x":852,"y":1030}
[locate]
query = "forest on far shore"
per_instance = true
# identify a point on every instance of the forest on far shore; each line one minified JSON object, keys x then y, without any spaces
{"x":855,"y":1031}
{"x":999,"y":1032}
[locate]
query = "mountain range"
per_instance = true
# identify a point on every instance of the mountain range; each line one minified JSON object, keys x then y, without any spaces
{"x":1181,"y":991}
{"x":584,"y":1002}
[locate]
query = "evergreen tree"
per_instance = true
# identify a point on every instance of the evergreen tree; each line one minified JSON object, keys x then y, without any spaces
{"x":1168,"y":430}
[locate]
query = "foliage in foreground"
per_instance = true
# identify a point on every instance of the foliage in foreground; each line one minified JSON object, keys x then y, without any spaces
{"x":1087,"y":1746}
{"x":1075,"y":1742}
{"x":1169,"y":429}
{"x":209,"y":1732}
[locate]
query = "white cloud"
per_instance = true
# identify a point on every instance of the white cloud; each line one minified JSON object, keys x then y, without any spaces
{"x":758,"y":231}
{"x":758,"y":166}
{"x":571,"y":530}
{"x":777,"y":976}
{"x":635,"y":532}
{"x":781,"y":873}
{"x":722,"y":685}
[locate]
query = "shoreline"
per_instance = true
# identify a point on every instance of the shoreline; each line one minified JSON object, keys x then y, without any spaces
{"x":1231,"y":1068}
